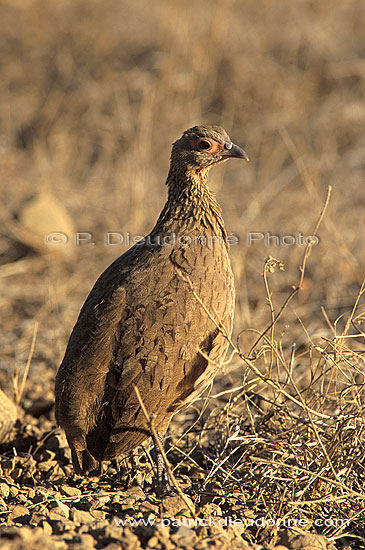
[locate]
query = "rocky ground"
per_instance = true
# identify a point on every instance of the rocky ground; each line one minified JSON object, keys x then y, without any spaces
{"x":92,"y":94}
{"x":46,"y":506}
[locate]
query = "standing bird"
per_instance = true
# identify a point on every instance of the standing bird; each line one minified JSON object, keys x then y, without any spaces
{"x":143,"y":324}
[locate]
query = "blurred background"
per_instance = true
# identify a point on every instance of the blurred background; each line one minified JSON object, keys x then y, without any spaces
{"x":92,"y":94}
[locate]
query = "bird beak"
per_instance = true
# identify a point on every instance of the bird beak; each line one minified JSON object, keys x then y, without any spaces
{"x":235,"y":152}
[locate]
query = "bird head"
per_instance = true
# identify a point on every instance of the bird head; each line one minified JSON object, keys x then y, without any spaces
{"x":200,"y":147}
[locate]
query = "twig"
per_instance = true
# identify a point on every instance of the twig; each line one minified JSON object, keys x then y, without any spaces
{"x":246,"y":359}
{"x":351,"y":492}
{"x":269,"y":267}
{"x":298,"y":287}
{"x":19,"y":392}
{"x":349,"y":320}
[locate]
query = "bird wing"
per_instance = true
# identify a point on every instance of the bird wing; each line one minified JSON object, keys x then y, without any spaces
{"x":140,"y":326}
{"x":81,"y":377}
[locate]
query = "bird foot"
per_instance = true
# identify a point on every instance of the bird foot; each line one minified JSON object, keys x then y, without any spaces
{"x":163,"y":487}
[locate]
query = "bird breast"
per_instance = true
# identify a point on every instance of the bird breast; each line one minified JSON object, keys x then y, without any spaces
{"x":165,"y":323}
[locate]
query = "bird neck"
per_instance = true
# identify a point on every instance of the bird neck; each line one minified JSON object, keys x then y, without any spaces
{"x":190,"y":205}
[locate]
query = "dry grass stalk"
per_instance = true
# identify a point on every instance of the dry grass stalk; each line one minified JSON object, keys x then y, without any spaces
{"x":19,"y":389}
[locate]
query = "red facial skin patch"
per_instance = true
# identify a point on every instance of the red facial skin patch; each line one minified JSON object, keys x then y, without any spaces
{"x":203,"y":174}
{"x":214,"y":145}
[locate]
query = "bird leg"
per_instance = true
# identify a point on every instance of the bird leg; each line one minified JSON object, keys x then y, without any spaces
{"x":136,"y":471}
{"x":163,"y":487}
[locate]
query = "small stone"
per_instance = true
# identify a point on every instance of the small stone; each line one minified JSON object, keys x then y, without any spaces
{"x":133,"y":495}
{"x":163,"y":531}
{"x":47,"y":466}
{"x":16,"y":473}
{"x":97,"y":524}
{"x":107,"y":533}
{"x":173,"y":505}
{"x":69,"y":491}
{"x":59,"y":508}
{"x":99,"y":514}
{"x":31,"y":493}
{"x":113,"y":546}
{"x":153,"y":542}
{"x":80,"y":517}
{"x":298,"y":539}
{"x":184,"y":537}
{"x":55,"y":473}
{"x":46,"y":527}
{"x":38,"y":216}
{"x":4,"y":490}
{"x":85,"y":540}
{"x":19,"y":514}
{"x":36,"y":518}
{"x":54,"y":515}
{"x":13,"y":491}
{"x":60,"y":526}
{"x":184,"y":531}
{"x":99,"y":502}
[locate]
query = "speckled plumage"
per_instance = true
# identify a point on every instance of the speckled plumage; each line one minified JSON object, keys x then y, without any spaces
{"x":141,"y":324}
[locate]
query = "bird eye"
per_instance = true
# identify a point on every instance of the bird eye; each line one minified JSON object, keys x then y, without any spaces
{"x":204,"y":145}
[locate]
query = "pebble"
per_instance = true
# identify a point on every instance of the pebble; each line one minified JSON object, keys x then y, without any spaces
{"x":80,"y":517}
{"x":31,"y":493}
{"x":184,"y":531}
{"x":116,"y":546}
{"x":132,"y":495}
{"x":4,"y":490}
{"x":59,"y":509}
{"x":84,"y":540}
{"x":13,"y":491}
{"x":16,"y":473}
{"x":19,"y":514}
{"x":173,"y":505}
{"x":69,"y":491}
{"x":298,"y":539}
{"x":184,"y":537}
{"x":46,"y":466}
{"x":46,"y":527}
{"x":59,"y":526}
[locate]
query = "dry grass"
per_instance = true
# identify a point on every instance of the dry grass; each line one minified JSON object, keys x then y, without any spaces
{"x":91,"y":96}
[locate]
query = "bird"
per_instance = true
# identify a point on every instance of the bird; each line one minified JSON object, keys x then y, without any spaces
{"x":158,"y":319}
